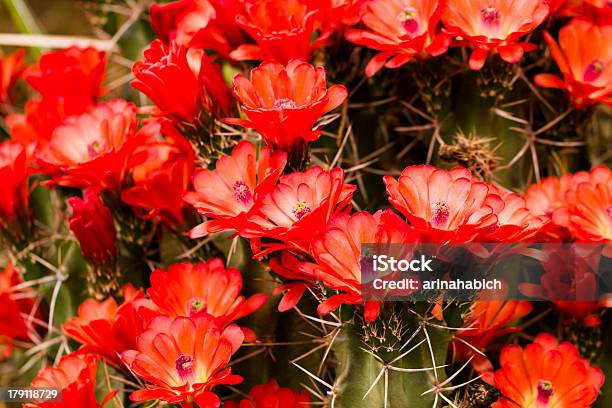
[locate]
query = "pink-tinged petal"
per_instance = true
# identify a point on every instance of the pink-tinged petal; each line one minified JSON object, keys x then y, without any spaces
{"x":237,"y":121}
{"x":291,"y":298}
{"x":511,"y":53}
{"x":247,"y":52}
{"x":478,"y":58}
{"x":399,"y":60}
{"x":377,"y":62}
{"x":371,"y":311}
{"x":549,"y":81}
{"x":333,"y":303}
{"x":199,"y":231}
{"x":440,"y":44}
{"x":336,"y":96}
{"x":252,"y":304}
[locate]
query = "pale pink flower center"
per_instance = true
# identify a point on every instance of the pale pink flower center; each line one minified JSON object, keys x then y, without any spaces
{"x":439,"y":213}
{"x":285,"y":103}
{"x":242,"y":193}
{"x":196,"y":306}
{"x":93,"y":149}
{"x":545,"y":390}
{"x":490,"y":15}
{"x":408,"y":20}
{"x":184,"y":367}
{"x":593,"y":71}
{"x":300,"y":209}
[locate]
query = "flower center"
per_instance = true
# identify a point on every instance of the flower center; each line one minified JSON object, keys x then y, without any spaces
{"x":285,"y":103}
{"x":242,"y":194}
{"x":184,"y":367}
{"x":490,"y":15}
{"x":439,"y":213}
{"x":545,"y":390}
{"x":196,"y":306}
{"x":593,"y":71}
{"x":609,"y":212}
{"x":408,"y":20}
{"x":300,"y":209}
{"x":93,"y":149}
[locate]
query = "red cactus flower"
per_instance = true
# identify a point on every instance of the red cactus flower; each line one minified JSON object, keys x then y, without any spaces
{"x":225,"y":195}
{"x":546,"y":374}
{"x":514,"y":221}
{"x":11,"y":68}
{"x":161,"y":194}
{"x":283,"y":29}
{"x":444,"y":205}
{"x":204,"y":288}
{"x":14,"y":162}
{"x":92,"y":224}
{"x":488,"y":320}
{"x":93,"y":149}
{"x":75,"y":375}
{"x":546,"y":196}
{"x":194,"y":359}
{"x":588,"y":209}
{"x":15,"y":303}
{"x":570,"y":282}
{"x":283,"y":103}
{"x":587,"y":71}
{"x":298,"y":208}
{"x":207,"y":24}
{"x":73,"y":73}
{"x":271,"y":395}
{"x":40,"y":119}
{"x":162,"y":179}
{"x":107,"y":329}
{"x":402,"y":30}
{"x":70,"y":83}
{"x":182,"y":83}
{"x":338,"y":255}
{"x":495,"y":25}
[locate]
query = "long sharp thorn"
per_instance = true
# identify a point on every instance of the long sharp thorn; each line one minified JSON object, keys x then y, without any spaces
{"x":454,"y":387}
{"x":433,"y":359}
{"x":407,"y":352}
{"x":312,"y":391}
{"x":386,"y":386}
{"x":416,"y":370}
{"x":331,"y":343}
{"x":376,"y":380}
{"x":456,"y":373}
{"x":448,"y":401}
{"x":469,"y":345}
{"x":311,"y":375}
{"x":411,"y":337}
